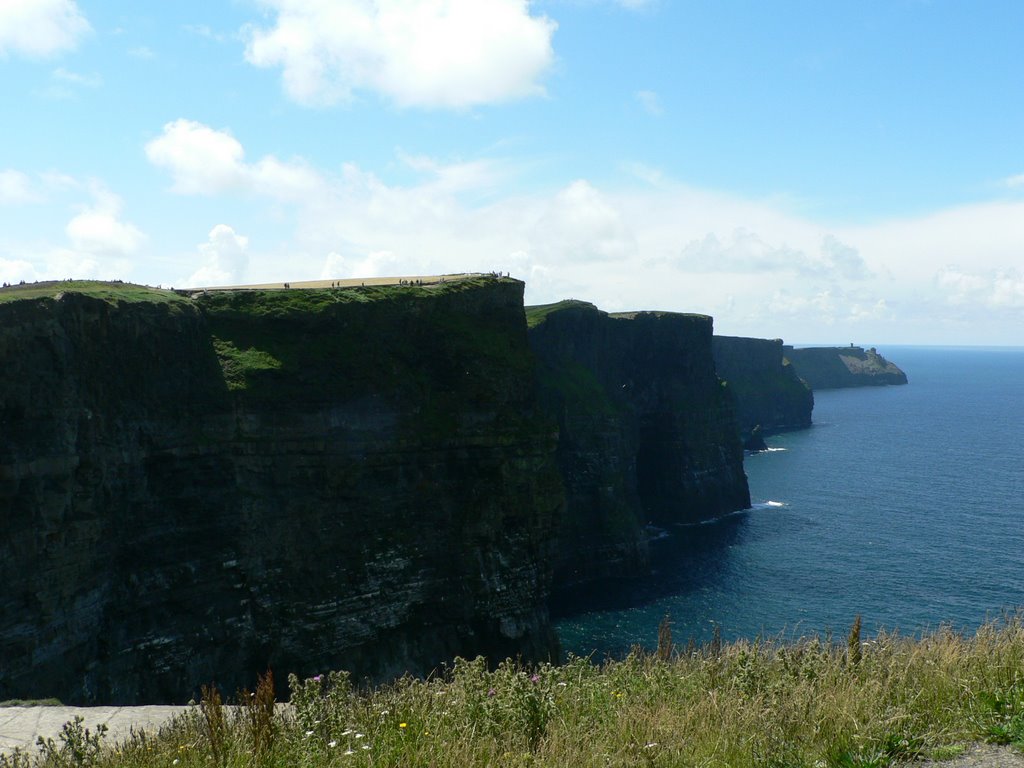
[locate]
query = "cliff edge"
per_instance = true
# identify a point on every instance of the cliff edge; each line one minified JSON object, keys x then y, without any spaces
{"x":769,"y":392}
{"x":647,"y":432}
{"x":196,"y":489}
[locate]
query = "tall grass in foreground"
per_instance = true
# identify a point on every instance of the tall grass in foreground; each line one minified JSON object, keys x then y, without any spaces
{"x":805,"y":703}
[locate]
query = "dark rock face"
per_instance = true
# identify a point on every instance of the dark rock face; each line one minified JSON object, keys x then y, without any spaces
{"x":647,"y":433}
{"x":768,"y":391}
{"x":194,"y":492}
{"x":839,"y":367}
{"x":754,"y":442}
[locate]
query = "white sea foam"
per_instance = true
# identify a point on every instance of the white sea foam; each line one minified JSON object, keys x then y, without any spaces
{"x":768,"y":505}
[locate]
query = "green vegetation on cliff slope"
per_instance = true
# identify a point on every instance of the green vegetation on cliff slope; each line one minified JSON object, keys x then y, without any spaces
{"x":883,"y":702}
{"x":373,"y":340}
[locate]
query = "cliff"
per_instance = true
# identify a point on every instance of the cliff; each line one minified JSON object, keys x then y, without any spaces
{"x":193,"y":490}
{"x":838,"y":367}
{"x":768,"y":390}
{"x":647,"y":433}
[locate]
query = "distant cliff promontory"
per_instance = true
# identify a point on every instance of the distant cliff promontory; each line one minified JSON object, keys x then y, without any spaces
{"x":838,"y":367}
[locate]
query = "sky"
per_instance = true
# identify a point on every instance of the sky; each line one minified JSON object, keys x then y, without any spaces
{"x":822,"y":172}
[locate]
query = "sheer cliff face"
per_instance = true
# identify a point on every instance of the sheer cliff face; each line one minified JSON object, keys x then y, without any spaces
{"x":768,"y":390}
{"x":193,"y":491}
{"x":647,"y":434}
{"x":840,"y":367}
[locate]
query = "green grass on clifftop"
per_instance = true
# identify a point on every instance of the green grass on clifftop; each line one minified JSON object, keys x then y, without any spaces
{"x":538,"y":313}
{"x":108,"y":291}
{"x":806,"y":704}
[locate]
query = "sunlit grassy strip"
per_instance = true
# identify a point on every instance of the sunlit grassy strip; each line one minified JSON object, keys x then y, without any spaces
{"x":748,"y":704}
{"x":108,"y":291}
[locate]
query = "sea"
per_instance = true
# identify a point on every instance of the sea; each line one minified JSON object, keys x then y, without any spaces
{"x":901,"y":504}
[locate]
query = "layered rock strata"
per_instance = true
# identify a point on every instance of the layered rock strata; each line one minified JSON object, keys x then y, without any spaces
{"x":647,"y":432}
{"x":193,"y":491}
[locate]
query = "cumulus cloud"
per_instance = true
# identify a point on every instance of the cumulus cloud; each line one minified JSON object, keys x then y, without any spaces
{"x":98,"y":228}
{"x":225,"y":259}
{"x":205,"y":161}
{"x":40,"y":27}
{"x":423,"y":53}
{"x":582,"y":224}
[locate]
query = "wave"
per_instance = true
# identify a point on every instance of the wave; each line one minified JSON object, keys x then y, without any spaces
{"x":768,"y":505}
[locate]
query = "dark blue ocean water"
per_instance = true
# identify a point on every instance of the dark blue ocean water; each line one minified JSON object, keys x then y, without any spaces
{"x":902,"y":504}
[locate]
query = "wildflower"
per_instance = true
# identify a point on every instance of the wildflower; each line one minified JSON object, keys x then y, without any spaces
{"x":332,"y":743}
{"x":650,"y":745}
{"x":308,"y":734}
{"x":360,"y":736}
{"x":365,"y":746}
{"x":175,"y":761}
{"x":347,"y":732}
{"x":535,"y":679}
{"x":318,"y":678}
{"x":349,"y":752}
{"x":492,"y":692}
{"x":562,"y":684}
{"x":403,"y":725}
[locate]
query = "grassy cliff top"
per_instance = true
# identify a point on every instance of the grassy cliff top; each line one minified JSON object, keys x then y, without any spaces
{"x":538,"y":313}
{"x":111,"y":292}
{"x":656,"y":313}
{"x":259,"y":300}
{"x":271,"y":302}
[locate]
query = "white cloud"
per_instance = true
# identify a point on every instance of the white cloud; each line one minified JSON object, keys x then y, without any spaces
{"x":225,"y":259}
{"x":40,"y":27}
{"x":582,"y":224}
{"x":142,"y":52}
{"x":746,"y":251}
{"x":205,"y":161}
{"x":424,"y":53}
{"x":373,"y":264}
{"x":650,"y":102}
{"x":16,"y":187}
{"x":757,"y":267}
{"x":1013,"y":182}
{"x":98,"y":229}
{"x":997,"y":288}
{"x":75,"y":78}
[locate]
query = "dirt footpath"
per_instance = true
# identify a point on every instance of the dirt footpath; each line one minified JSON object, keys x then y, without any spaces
{"x":21,"y":726}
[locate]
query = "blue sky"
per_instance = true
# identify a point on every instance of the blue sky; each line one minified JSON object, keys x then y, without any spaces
{"x":820,"y":172}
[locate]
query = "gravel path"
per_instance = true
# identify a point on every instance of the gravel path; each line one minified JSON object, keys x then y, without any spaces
{"x":983,"y":756}
{"x":21,"y":726}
